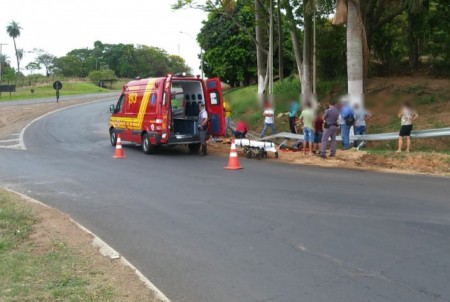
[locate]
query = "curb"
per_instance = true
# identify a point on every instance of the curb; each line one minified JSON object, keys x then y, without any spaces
{"x":103,"y":248}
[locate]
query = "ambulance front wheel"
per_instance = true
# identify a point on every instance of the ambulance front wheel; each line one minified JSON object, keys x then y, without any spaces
{"x":113,"y":137}
{"x":147,"y":147}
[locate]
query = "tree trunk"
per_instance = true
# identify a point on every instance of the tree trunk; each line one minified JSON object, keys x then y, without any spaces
{"x":280,"y":43}
{"x":295,"y":40}
{"x":261,"y":56}
{"x":17,"y":55}
{"x":307,"y":54}
{"x":271,"y":51}
{"x":413,"y":44}
{"x":355,"y":61}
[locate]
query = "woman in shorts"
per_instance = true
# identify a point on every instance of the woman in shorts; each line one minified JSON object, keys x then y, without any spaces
{"x":407,"y":115}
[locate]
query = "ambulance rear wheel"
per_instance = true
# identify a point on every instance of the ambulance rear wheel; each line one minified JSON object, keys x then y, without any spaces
{"x":147,"y":147}
{"x":113,"y":137}
{"x":193,"y":148}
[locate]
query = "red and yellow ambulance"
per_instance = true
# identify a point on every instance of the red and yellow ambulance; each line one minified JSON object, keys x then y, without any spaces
{"x":164,"y":111}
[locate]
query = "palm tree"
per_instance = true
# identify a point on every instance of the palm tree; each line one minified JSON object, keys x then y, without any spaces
{"x":13,"y":30}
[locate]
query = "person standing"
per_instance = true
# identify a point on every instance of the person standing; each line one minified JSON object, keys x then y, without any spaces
{"x":348,"y":121}
{"x":227,"y":109}
{"x":307,"y":117}
{"x":269,"y":119}
{"x":318,"y":132}
{"x":293,"y":109}
{"x":203,"y":127}
{"x":361,"y":116}
{"x":407,"y":115}
{"x":331,"y":126}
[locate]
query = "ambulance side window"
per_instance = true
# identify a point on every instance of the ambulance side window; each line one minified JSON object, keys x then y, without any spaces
{"x":119,"y":105}
{"x":214,"y":98}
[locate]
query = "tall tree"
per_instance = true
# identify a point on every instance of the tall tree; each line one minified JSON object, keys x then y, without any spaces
{"x":13,"y":30}
{"x":280,"y":42}
{"x":261,"y":30}
{"x":229,"y":52}
{"x":306,"y":76}
{"x":295,"y":36}
{"x":45,"y":59}
{"x":355,"y":57}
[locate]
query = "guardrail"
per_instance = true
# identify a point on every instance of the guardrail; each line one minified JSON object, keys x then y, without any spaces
{"x":430,"y":133}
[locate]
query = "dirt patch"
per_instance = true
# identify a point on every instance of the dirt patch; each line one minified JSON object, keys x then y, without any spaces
{"x":14,"y":117}
{"x":412,"y":163}
{"x":55,"y":236}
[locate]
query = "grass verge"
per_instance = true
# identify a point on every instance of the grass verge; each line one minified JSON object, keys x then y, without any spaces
{"x":40,"y":263}
{"x":46,"y":90}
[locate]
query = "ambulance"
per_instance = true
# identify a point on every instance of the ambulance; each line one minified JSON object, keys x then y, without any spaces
{"x":164,"y":111}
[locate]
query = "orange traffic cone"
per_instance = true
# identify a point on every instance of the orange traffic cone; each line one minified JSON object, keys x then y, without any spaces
{"x":119,"y":151}
{"x":233,"y":163}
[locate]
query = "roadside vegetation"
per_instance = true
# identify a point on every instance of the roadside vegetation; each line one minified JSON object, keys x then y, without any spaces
{"x":384,"y":97}
{"x":40,"y":262}
{"x":42,"y":87}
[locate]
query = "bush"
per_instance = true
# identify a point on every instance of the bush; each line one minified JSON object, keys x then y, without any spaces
{"x":105,"y":74}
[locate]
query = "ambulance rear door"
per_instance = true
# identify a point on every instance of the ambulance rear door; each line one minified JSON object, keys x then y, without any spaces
{"x":214,"y":106}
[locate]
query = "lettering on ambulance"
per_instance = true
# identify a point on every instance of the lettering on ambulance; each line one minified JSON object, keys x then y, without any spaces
{"x":130,"y":110}
{"x":135,"y":122}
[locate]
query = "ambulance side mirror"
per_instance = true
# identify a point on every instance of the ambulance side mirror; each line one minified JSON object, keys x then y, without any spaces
{"x":112,"y":108}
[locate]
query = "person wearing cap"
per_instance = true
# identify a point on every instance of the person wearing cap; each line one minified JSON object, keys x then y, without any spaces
{"x":241,"y":130}
{"x":203,"y":127}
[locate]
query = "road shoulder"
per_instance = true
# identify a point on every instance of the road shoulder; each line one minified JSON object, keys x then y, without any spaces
{"x":73,"y":254}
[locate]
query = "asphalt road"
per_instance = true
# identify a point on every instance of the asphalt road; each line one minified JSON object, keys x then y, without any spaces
{"x":5,"y":101}
{"x":270,"y":232}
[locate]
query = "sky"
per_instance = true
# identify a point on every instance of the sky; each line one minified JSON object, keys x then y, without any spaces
{"x":63,"y":25}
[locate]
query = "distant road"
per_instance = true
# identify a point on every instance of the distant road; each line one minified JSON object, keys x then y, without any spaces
{"x":271,"y":232}
{"x":4,"y":101}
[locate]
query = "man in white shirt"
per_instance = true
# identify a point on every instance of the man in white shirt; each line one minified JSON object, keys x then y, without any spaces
{"x":203,"y":127}
{"x":269,"y":120}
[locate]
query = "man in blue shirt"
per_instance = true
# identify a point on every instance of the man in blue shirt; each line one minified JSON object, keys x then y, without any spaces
{"x":293,"y":109}
{"x":349,"y":119}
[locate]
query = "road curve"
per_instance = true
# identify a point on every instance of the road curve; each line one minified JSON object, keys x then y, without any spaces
{"x":271,"y":232}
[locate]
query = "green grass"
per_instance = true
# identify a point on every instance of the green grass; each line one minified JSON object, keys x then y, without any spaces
{"x":244,"y":102}
{"x":426,"y":100}
{"x":46,"y":90}
{"x":56,"y":274}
